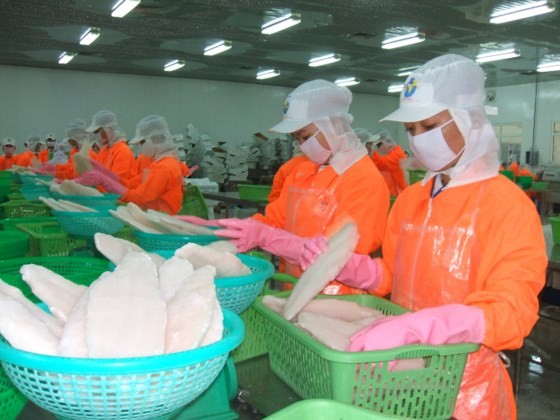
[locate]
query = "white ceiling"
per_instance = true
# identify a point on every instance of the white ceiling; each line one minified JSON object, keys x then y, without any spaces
{"x":36,"y":32}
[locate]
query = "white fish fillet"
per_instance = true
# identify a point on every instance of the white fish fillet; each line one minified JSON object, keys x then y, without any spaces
{"x":190,"y":311}
{"x":223,"y":246}
{"x":342,"y":309}
{"x":332,"y":332}
{"x":173,"y":273}
{"x":227,"y":265}
{"x":275,"y":303}
{"x":216,"y":328}
{"x":52,"y":203}
{"x":59,"y":294}
{"x":70,"y":187}
{"x":81,"y":159}
{"x":23,"y":329}
{"x":325,"y":269}
{"x":114,"y":249}
{"x":72,"y":206}
{"x":140,"y":216}
{"x":73,"y":341}
{"x":54,"y":324}
{"x":123,"y":214}
{"x":126,"y":314}
{"x":190,"y":228}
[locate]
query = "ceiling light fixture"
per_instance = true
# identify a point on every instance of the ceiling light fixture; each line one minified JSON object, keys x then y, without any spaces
{"x":124,"y":7}
{"x":217,"y":48}
{"x":324,"y":60}
{"x":89,"y":36}
{"x":66,"y":57}
{"x":267,"y":74}
{"x":174,"y":65}
{"x":395,"y":88}
{"x":281,"y":23}
{"x":347,"y":81}
{"x":403,"y":40}
{"x":549,"y":66}
{"x":497,"y":55}
{"x":405,"y":71}
{"x":521,"y":11}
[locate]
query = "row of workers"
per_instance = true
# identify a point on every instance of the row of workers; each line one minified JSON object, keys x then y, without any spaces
{"x":453,"y":249}
{"x":35,"y":148}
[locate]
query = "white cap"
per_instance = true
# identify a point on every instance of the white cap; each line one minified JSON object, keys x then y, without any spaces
{"x":311,"y":101}
{"x":448,"y":81}
{"x":32,"y":141}
{"x":8,"y":141}
{"x":102,"y":119}
{"x":50,"y":137}
{"x":153,"y":127}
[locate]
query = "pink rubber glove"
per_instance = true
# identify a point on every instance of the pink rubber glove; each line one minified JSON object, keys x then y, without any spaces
{"x":448,"y":324}
{"x":47,"y":168}
{"x":247,"y":234}
{"x":197,"y":220}
{"x":104,"y":170}
{"x":94,"y":178}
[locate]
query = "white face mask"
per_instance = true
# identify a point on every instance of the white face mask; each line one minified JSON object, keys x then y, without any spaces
{"x":314,"y":151}
{"x":148,"y":148}
{"x":431,"y":149}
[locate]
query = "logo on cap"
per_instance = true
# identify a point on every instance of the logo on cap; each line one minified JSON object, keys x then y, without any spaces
{"x":286,"y":106}
{"x":410,"y":88}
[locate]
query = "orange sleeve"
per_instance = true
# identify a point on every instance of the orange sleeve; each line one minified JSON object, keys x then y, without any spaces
{"x":121,"y":161}
{"x":389,"y":162}
{"x":184,"y":169}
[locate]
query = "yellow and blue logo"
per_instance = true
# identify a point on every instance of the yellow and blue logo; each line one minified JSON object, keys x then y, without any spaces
{"x":410,"y":88}
{"x":286,"y":106}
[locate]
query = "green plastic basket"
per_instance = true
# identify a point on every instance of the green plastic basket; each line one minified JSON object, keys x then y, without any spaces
{"x":415,"y":175}
{"x":81,"y":270}
{"x":15,"y":196}
{"x":254,"y":192}
{"x":325,"y":410}
{"x":508,"y":174}
{"x":555,"y":226}
{"x":87,"y":224}
{"x":255,"y":343}
{"x":524,"y":181}
{"x":107,"y":200}
{"x":125,"y":388}
{"x":33,"y":192}
{"x":13,"y":244}
{"x":11,"y":404}
{"x":539,"y":186}
{"x":193,"y":202}
{"x":158,"y":242}
{"x":363,"y":379}
{"x":28,"y":179}
{"x":48,"y":239}
{"x":24,"y":208}
{"x":11,"y":224}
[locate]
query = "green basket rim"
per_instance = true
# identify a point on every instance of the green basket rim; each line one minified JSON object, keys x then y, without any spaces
{"x":402,"y":352}
{"x":128,"y":365}
{"x":172,"y":237}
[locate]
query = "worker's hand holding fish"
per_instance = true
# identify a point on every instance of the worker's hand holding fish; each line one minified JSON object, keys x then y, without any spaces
{"x":448,"y":324}
{"x":249,"y":233}
{"x":95,"y":177}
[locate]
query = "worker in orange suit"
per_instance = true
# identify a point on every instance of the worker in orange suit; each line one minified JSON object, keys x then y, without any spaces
{"x":339,"y":183}
{"x":283,"y":172}
{"x":454,"y":252}
{"x":30,"y":156}
{"x":8,"y":159}
{"x":162,"y":189}
{"x":47,"y":153}
{"x":514,"y":167}
{"x":388,"y":158}
{"x":115,"y":154}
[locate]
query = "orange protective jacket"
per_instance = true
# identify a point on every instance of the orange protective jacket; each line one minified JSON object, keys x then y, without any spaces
{"x":24,"y":158}
{"x":163,"y":188}
{"x":44,"y":155}
{"x":120,"y":160}
{"x":514,"y":167}
{"x":67,"y":170}
{"x":390,"y":167}
{"x":506,"y":274}
{"x":7,"y":162}
{"x":360,"y":193}
{"x":283,"y":172}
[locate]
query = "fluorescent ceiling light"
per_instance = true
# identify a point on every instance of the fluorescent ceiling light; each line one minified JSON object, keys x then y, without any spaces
{"x":347,"y":81}
{"x":66,"y":57}
{"x":403,"y":40}
{"x":123,"y":7}
{"x":323,"y":60}
{"x":549,"y":66}
{"x":281,"y":23}
{"x":497,"y":55}
{"x":405,"y":71}
{"x":521,"y":11}
{"x":217,"y":48}
{"x":267,"y":74}
{"x":89,"y":36}
{"x":174,"y":65}
{"x":395,"y":88}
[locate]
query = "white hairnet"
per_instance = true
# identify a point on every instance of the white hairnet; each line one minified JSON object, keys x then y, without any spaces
{"x":33,"y":141}
{"x":77,"y":123}
{"x":78,"y":134}
{"x":59,"y":154}
{"x":154,"y":129}
{"x":107,"y":120}
{"x":364,"y":135}
{"x":345,"y":145}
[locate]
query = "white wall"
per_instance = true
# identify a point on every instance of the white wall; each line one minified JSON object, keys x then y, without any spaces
{"x":41,"y":101}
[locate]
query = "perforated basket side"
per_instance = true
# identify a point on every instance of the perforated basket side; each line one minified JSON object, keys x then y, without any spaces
{"x":24,"y":208}
{"x":363,"y":378}
{"x":156,"y":242}
{"x":49,"y":240}
{"x":86,"y":225}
